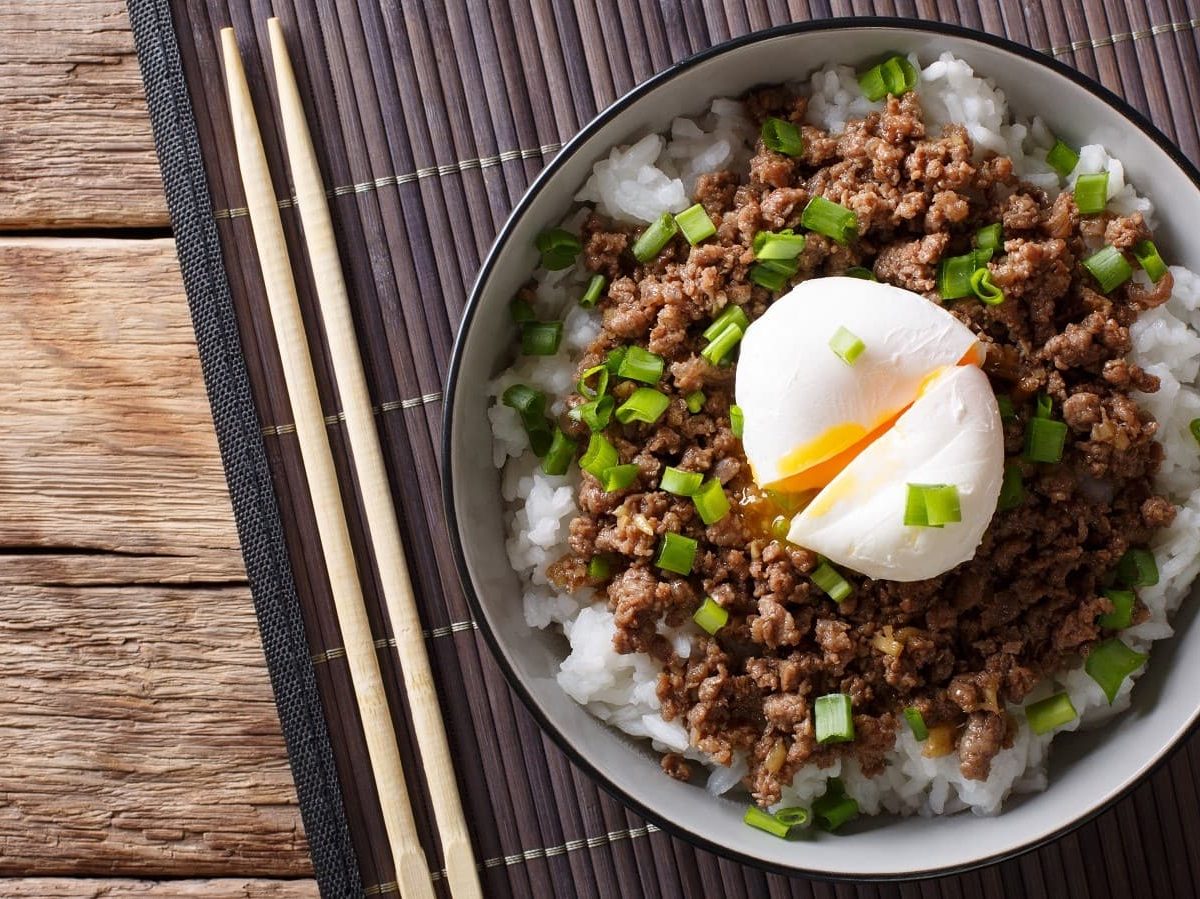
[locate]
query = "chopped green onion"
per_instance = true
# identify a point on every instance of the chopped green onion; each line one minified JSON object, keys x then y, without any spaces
{"x":857,"y":271}
{"x":595,"y":287}
{"x":846,"y":345}
{"x":614,"y":359}
{"x":599,"y":568}
{"x":990,"y":237}
{"x":782,"y":136}
{"x":711,"y":502}
{"x":711,"y":616}
{"x":1137,"y":568}
{"x":601,"y":388}
{"x":695,"y":401}
{"x":1110,"y":662}
{"x":558,"y":248}
{"x":833,"y":810}
{"x":722,"y":344}
{"x":831,"y":581}
{"x":1091,"y":193}
{"x":1109,"y":267}
{"x":916,"y":721}
{"x":778,"y":244}
{"x":1044,"y":440}
{"x":895,"y":75}
{"x":984,"y":288}
{"x":656,"y":236}
{"x":618,"y":477}
{"x":780,"y":526}
{"x":540,"y":338}
{"x":1121,"y":616}
{"x":530,"y":405}
{"x":756,"y":817}
{"x":595,"y":414}
{"x":954,"y":273}
{"x":1046,"y":715}
{"x":773,"y":274}
{"x":558,"y":457}
{"x":1062,"y":158}
{"x":915,"y":513}
{"x":644,"y":404}
{"x":676,"y":553}
{"x":695,"y":224}
{"x":1194,"y":427}
{"x":640,"y":365}
{"x":795,"y":816}
{"x":680,"y":482}
{"x":1012,"y":488}
{"x":1005,"y":404}
{"x":941,"y":504}
{"x":1044,"y":407}
{"x":731,"y":314}
{"x":521,"y":311}
{"x":599,"y":456}
{"x":737,"y":421}
{"x":834,"y":723}
{"x":831,"y":219}
{"x":1146,"y":253}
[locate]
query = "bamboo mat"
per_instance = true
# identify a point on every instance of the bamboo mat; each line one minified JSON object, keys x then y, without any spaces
{"x":430,"y":121}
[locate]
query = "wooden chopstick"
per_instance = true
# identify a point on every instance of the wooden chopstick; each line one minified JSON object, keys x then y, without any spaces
{"x":399,"y":601}
{"x":412,"y":869}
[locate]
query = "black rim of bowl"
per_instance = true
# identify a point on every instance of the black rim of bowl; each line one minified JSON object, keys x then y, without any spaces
{"x":502,"y":237}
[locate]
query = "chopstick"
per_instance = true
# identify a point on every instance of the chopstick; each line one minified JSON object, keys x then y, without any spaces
{"x":397,"y":589}
{"x":412,"y":869}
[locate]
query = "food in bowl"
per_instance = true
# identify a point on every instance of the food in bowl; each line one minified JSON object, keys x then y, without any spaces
{"x":852,"y":443}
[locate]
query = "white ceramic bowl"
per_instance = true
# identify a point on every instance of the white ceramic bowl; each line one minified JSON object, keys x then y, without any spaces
{"x":1088,"y":770}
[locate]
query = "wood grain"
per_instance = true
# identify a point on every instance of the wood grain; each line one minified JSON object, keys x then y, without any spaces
{"x":75,"y":143}
{"x":214,"y":888}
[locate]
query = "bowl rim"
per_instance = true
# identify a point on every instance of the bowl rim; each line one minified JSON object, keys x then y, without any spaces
{"x":602,"y":118}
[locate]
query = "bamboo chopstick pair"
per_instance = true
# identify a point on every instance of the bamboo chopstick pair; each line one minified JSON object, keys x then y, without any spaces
{"x":412,"y":869}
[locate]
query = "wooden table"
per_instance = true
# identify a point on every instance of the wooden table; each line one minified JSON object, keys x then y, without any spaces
{"x":140,"y":754}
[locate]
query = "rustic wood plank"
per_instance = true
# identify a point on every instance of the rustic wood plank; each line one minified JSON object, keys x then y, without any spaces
{"x":214,"y":888}
{"x":77,"y":149}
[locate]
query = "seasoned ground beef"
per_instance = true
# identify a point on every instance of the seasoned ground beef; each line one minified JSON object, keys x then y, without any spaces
{"x":960,"y":646}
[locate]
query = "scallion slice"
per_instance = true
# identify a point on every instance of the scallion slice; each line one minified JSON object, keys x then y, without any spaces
{"x":558,"y":248}
{"x":1146,"y":253}
{"x":695,"y":224}
{"x":1044,"y":440}
{"x":521,"y":311}
{"x":656,"y":236}
{"x":1050,"y":713}
{"x":1137,"y":568}
{"x":601,"y":374}
{"x":1091,"y":193}
{"x":737,"y":421}
{"x":846,"y":345}
{"x":614,"y":359}
{"x":640,"y":365}
{"x":778,"y":244}
{"x":1044,"y":407}
{"x":984,"y":288}
{"x":1194,"y":427}
{"x":1012,"y":488}
{"x":1121,"y":616}
{"x":676,"y":553}
{"x":954,"y":273}
{"x":857,"y":271}
{"x":794,"y":816}
{"x":711,"y":502}
{"x":644,"y":404}
{"x":530,"y":405}
{"x":595,"y":414}
{"x":831,"y":219}
{"x":722,"y":344}
{"x":1109,"y":267}
{"x":591,"y":296}
{"x":599,"y":568}
{"x":680,"y":482}
{"x":941,"y":504}
{"x":773,"y":274}
{"x":695,"y":401}
{"x":1062,"y":158}
{"x":558,"y":457}
{"x":761,"y":820}
{"x":618,"y":477}
{"x":782,"y":136}
{"x":541,"y":338}
{"x":895,"y":75}
{"x":831,"y":581}
{"x":711,"y":616}
{"x":1110,"y":662}
{"x":1005,"y":404}
{"x":834,"y":808}
{"x":916,"y":722}
{"x":990,"y":237}
{"x":915,"y":514}
{"x":599,"y":456}
{"x":834,"y":723}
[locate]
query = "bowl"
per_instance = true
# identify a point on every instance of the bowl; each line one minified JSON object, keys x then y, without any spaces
{"x":1088,"y":770}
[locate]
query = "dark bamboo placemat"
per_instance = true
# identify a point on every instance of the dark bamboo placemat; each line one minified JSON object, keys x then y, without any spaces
{"x":430,"y":121}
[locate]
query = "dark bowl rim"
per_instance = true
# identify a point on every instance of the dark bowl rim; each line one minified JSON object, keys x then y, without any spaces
{"x":543,"y":178}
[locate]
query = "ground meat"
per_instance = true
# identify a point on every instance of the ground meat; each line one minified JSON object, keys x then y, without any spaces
{"x":960,"y":646}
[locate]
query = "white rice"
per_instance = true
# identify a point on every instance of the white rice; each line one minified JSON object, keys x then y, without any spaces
{"x":656,"y":174}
